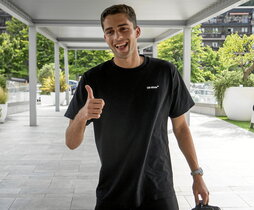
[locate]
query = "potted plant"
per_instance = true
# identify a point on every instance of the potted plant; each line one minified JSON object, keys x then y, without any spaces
{"x":48,"y":86}
{"x":3,"y":99}
{"x":234,"y":87}
{"x":47,"y":82}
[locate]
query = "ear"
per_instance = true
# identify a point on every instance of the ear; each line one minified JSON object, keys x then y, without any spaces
{"x":104,"y":37}
{"x":138,"y":32}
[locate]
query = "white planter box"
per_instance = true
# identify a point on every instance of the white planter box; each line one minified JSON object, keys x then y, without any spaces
{"x":50,"y":99}
{"x":238,"y":103}
{"x":3,"y":112}
{"x":46,"y":100}
{"x":62,"y":97}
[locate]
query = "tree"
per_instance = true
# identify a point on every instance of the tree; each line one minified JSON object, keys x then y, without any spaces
{"x":6,"y":54}
{"x":14,"y":53}
{"x":172,"y":50}
{"x":210,"y":63}
{"x":237,"y":53}
{"x":86,"y":59}
{"x":19,"y":36}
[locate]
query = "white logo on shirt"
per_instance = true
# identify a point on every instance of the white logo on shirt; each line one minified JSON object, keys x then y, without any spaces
{"x":152,"y":87}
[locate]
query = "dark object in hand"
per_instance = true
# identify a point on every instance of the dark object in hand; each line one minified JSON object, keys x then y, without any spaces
{"x":206,"y":207}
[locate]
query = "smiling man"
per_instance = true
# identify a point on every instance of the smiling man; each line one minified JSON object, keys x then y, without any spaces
{"x":129,"y":100}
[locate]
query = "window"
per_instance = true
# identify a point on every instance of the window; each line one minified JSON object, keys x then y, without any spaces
{"x":245,"y":30}
{"x":215,"y":30}
{"x":213,"y":20}
{"x":214,"y":44}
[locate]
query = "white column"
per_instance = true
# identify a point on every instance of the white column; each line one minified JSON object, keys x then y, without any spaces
{"x":155,"y":51}
{"x":187,"y":62}
{"x":141,"y":51}
{"x":57,"y":78}
{"x":32,"y":76}
{"x":66,"y":68}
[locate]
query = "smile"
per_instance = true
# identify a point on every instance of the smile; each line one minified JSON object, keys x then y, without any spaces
{"x":122,"y":45}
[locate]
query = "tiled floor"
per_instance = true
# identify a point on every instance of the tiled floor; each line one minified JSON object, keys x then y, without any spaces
{"x":38,"y":172}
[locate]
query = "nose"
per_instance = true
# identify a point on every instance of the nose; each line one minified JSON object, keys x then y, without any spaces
{"x":118,"y":35}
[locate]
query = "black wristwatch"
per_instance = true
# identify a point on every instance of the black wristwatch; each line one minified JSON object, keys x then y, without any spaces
{"x":199,"y":171}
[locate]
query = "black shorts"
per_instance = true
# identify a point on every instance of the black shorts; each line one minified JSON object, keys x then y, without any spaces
{"x":169,"y":203}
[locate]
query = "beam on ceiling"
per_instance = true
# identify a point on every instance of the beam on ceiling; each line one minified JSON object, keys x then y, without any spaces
{"x":45,"y":32}
{"x":213,"y":11}
{"x":14,"y":11}
{"x":169,"y":33}
{"x":49,"y":35}
{"x":97,"y":40}
{"x":177,"y":24}
{"x":87,"y":48}
{"x":50,"y":23}
{"x":97,"y":23}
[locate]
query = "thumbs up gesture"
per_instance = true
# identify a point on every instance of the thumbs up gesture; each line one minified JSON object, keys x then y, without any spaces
{"x":93,"y":107}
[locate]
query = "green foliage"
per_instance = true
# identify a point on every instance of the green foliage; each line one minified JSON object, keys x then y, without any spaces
{"x":172,"y":51}
{"x":236,"y":56}
{"x":46,"y":71}
{"x":210,"y":64}
{"x":237,"y":52}
{"x":229,"y":79}
{"x":2,"y":82}
{"x":83,"y":60}
{"x":45,"y":51}
{"x":18,"y":33}
{"x":48,"y":84}
{"x":14,"y":53}
{"x":3,"y":96}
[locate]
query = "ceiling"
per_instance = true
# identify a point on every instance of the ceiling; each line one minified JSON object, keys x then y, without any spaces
{"x":75,"y":24}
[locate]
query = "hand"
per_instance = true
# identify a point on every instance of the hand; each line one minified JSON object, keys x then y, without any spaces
{"x":199,"y":188}
{"x":93,"y":107}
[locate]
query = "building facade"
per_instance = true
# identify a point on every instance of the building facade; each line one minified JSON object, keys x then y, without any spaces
{"x":3,"y":18}
{"x":238,"y":20}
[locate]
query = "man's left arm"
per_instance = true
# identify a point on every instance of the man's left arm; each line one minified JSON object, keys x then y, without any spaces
{"x":185,"y":142}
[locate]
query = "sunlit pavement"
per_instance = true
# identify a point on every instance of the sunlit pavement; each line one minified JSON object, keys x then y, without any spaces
{"x":37,"y":171}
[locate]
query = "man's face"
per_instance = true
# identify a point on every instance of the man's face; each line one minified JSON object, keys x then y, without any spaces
{"x":120,"y":35}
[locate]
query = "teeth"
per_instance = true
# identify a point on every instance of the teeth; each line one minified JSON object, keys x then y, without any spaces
{"x":121,"y":45}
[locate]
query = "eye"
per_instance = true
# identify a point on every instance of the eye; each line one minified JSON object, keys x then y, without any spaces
{"x":124,"y":29}
{"x":109,"y":32}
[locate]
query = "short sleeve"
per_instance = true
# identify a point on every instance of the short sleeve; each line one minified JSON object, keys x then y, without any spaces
{"x":78,"y":100}
{"x":181,"y":98}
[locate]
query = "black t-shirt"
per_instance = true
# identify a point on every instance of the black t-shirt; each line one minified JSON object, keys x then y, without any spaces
{"x":131,"y":135}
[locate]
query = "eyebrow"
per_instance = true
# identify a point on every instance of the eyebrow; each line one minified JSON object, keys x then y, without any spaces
{"x":109,"y":28}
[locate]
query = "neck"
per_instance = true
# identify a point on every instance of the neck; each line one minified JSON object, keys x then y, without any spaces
{"x":130,"y":62}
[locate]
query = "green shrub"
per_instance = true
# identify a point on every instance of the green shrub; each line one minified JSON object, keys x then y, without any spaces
{"x":48,"y":84}
{"x":3,"y":96}
{"x":2,"y":82}
{"x":46,"y":71}
{"x":230,"y":79}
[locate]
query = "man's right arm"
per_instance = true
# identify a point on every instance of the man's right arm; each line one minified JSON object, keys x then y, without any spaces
{"x":91,"y":110}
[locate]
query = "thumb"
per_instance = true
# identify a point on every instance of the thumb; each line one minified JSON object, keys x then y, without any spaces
{"x":89,"y":92}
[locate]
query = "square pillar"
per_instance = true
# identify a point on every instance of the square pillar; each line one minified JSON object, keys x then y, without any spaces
{"x":57,"y":78}
{"x":155,"y":50}
{"x":66,"y":68}
{"x":187,"y":62}
{"x":32,"y":76}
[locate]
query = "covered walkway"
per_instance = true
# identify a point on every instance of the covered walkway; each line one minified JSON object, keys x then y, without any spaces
{"x":38,"y":172}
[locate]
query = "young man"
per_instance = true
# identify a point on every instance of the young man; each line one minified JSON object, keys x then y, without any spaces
{"x":129,"y":100}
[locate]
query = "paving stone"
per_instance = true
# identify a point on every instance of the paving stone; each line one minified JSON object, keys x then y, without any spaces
{"x":38,"y":172}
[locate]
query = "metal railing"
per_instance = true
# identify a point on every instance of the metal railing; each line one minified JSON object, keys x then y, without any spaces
{"x":202,"y":93}
{"x":17,"y":91}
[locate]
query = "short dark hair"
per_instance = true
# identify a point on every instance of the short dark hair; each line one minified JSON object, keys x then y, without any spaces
{"x":120,"y":8}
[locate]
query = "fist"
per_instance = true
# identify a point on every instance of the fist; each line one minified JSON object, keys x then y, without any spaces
{"x":93,"y":107}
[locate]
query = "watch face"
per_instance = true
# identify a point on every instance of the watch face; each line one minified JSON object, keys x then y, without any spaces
{"x":198,"y":171}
